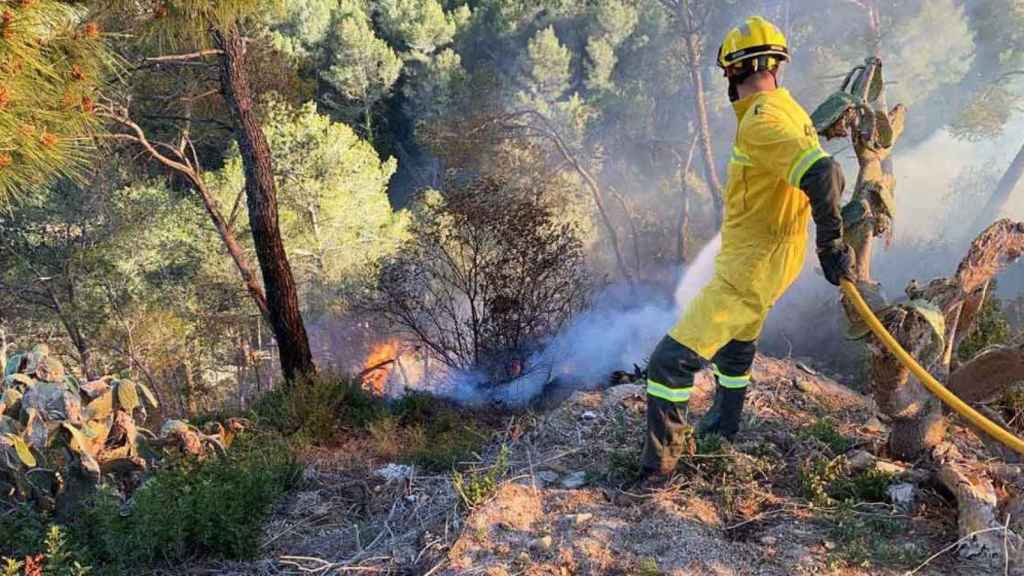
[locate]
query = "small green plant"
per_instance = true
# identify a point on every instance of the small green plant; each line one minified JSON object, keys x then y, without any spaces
{"x":1012,"y":407}
{"x":817,"y":476}
{"x":475,"y":488}
{"x":826,"y":483}
{"x":710,"y":444}
{"x":624,"y":465}
{"x":22,"y":530}
{"x":648,"y":567}
{"x":991,"y":328}
{"x":871,"y":541}
{"x":825,"y":431}
{"x":867,"y":486}
{"x":56,"y":559}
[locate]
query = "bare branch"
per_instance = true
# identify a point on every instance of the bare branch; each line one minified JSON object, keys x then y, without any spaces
{"x":190,"y":56}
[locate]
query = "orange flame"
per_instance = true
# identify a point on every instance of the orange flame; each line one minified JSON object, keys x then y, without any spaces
{"x":378,"y":366}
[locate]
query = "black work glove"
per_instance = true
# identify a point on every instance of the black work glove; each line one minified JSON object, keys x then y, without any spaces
{"x":837,"y":263}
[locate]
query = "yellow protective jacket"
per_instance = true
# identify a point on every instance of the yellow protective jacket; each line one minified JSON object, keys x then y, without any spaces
{"x":764,"y":234}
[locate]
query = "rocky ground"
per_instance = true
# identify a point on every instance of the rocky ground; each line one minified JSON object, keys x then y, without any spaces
{"x":801,"y":491}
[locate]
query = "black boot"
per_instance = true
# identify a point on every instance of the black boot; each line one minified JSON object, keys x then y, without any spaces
{"x":724,"y":416}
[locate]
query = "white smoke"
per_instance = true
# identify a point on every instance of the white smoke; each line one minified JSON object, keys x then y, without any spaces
{"x":609,"y":336}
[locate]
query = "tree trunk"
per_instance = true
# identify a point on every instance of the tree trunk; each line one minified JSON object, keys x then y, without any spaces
{"x":1007,"y":184}
{"x":683,"y":226}
{"x":261,"y":199}
{"x":4,"y":345}
{"x":693,"y":50}
{"x":191,"y":394}
{"x":227,"y":236}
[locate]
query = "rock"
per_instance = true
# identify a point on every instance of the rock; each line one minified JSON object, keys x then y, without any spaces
{"x":874,"y":426}
{"x":574,"y":480}
{"x":902,"y":495}
{"x":769,"y":540}
{"x":623,"y":393}
{"x":890,"y":467}
{"x":547,"y":476}
{"x":806,"y":368}
{"x":860,"y":461}
{"x":542,"y":544}
{"x":394,"y":472}
{"x":581,"y":519}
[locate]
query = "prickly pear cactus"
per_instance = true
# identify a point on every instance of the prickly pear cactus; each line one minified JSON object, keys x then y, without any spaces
{"x":60,"y":438}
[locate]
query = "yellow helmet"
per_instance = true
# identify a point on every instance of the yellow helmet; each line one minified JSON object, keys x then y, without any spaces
{"x":745,"y":45}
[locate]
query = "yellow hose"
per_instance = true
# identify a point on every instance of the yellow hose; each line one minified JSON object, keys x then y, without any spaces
{"x":933,"y":385}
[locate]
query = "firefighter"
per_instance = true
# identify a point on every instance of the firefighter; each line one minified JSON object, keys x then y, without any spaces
{"x":779,"y":178}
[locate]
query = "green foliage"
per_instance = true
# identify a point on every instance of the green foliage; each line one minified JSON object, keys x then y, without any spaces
{"x":873,"y":540}
{"x":363,"y":68}
{"x":417,"y":428}
{"x":417,"y":26}
{"x":817,"y":476}
{"x":824,"y":430}
{"x":213,"y":507}
{"x":548,"y":65}
{"x":336,"y":219}
{"x":22,"y":530}
{"x":54,"y":560}
{"x":313,"y":410}
{"x":475,"y":488}
{"x":434,"y":433}
{"x":54,"y":61}
{"x":825,"y":482}
{"x":648,"y":567}
{"x":986,"y":114}
{"x":184,"y":24}
{"x":989,"y":329}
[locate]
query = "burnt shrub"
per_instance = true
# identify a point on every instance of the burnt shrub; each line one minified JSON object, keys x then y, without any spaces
{"x":489,"y":272}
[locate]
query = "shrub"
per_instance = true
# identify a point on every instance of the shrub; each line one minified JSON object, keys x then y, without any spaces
{"x":458,"y":284}
{"x":825,"y":482}
{"x":212,"y":507}
{"x":314,"y":409}
{"x":824,"y":430}
{"x":55,"y":559}
{"x":475,"y":488}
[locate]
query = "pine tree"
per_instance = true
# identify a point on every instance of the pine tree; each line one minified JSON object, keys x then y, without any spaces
{"x":363,"y":67}
{"x":52,"y":61}
{"x":205,"y":28}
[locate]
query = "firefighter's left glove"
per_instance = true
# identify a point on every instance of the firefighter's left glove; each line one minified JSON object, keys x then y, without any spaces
{"x":837,"y":263}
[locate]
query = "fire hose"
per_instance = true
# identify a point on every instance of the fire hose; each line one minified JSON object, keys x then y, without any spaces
{"x":934,"y":386}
